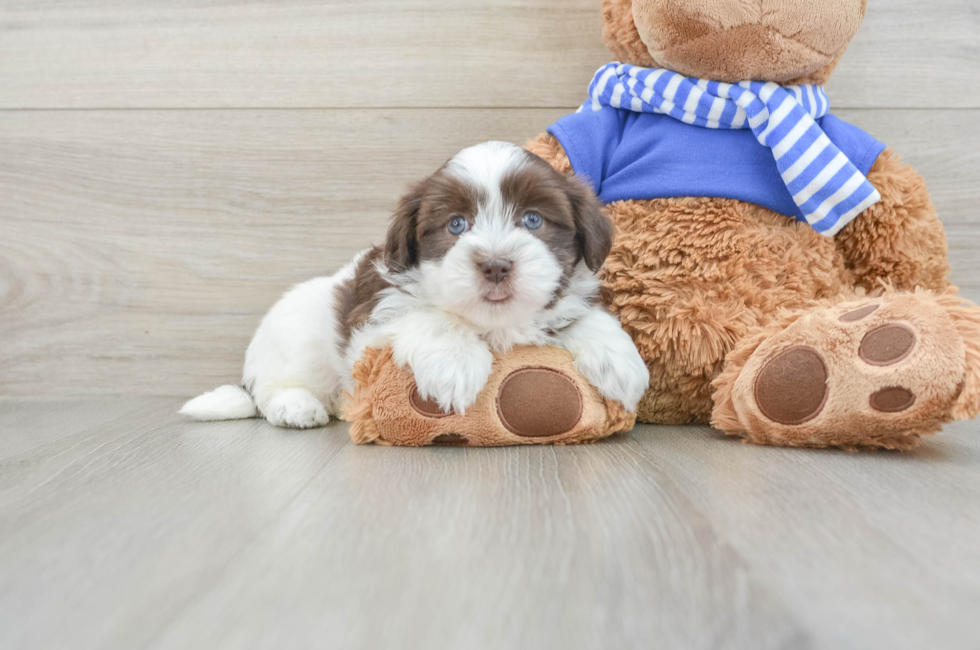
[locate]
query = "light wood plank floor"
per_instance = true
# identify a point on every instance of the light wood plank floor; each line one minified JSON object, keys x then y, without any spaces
{"x":124,"y":526}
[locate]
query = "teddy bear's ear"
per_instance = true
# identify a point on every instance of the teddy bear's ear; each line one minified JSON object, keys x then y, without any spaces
{"x":401,"y":245}
{"x":593,"y":229}
{"x":621,"y":36}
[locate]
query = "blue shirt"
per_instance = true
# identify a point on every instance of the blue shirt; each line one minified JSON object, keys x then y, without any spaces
{"x":629,"y":155}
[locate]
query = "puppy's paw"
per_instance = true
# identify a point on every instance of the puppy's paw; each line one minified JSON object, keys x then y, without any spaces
{"x":453,"y":378}
{"x":615,"y":368}
{"x":295,"y":408}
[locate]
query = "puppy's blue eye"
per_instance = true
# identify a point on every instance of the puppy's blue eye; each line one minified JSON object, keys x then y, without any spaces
{"x":457,"y":226}
{"x":532,"y":221}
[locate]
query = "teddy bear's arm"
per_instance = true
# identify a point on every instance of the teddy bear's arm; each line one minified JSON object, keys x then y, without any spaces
{"x":547,"y":146}
{"x":900,"y":239}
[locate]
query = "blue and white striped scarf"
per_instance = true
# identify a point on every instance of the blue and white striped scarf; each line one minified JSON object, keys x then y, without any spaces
{"x":829,"y":190}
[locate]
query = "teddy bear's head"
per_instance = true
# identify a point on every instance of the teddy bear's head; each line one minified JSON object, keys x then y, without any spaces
{"x":786,"y":41}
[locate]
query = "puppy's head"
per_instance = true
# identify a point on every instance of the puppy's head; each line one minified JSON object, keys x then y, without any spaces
{"x":496,"y":234}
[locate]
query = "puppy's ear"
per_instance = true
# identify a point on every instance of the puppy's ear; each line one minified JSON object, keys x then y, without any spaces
{"x":593,"y":229}
{"x":401,"y":245}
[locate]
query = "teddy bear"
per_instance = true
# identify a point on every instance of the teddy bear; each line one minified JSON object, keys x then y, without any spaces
{"x":782,"y":273}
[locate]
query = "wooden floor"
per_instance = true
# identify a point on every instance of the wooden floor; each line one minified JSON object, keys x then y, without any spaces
{"x":167,"y":169}
{"x":124,"y":526}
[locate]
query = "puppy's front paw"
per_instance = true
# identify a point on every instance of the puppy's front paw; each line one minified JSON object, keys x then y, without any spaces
{"x":295,"y":408}
{"x":616,"y":369}
{"x":454,"y":378}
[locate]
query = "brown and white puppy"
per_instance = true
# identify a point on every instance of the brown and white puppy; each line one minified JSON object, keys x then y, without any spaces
{"x":495,"y":249}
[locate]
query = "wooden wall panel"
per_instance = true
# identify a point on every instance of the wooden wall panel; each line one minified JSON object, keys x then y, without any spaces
{"x":408,"y":53}
{"x":139,"y":249}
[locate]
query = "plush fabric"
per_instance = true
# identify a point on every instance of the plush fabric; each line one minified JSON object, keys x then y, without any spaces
{"x":727,"y":299}
{"x":534,"y":396}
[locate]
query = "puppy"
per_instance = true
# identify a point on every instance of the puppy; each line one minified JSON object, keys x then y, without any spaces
{"x":495,"y":249}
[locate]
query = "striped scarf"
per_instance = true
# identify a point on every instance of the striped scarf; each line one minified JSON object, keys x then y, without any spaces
{"x":829,"y":190}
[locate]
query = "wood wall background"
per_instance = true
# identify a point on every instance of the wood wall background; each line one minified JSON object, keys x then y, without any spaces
{"x":167,"y":168}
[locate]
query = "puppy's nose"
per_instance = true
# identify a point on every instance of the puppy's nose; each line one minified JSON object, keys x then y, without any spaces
{"x":495,"y":270}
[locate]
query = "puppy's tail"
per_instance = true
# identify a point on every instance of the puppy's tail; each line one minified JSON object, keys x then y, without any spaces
{"x":223,"y":403}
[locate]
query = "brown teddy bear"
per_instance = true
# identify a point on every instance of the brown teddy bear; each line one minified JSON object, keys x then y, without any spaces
{"x":786,"y":308}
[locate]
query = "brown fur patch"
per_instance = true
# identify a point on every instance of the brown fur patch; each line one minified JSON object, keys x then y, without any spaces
{"x":540,"y":189}
{"x":564,"y":201}
{"x":444,"y":198}
{"x":355,"y":299}
{"x":574,"y":227}
{"x":418,"y":230}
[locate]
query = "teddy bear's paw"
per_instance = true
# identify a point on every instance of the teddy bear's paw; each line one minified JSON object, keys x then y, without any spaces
{"x":876,"y":373}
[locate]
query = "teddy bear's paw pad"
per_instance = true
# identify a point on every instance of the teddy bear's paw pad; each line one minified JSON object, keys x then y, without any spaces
{"x":427,"y":407}
{"x":887,"y":345}
{"x":801,"y":368}
{"x":450,"y":440}
{"x":857,"y":314}
{"x":892,"y":399}
{"x":539,"y":402}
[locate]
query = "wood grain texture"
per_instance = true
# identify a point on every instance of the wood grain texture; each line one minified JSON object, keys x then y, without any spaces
{"x":131,"y":527}
{"x":297,"y":53}
{"x":144,"y":515}
{"x":129,"y":234}
{"x":856,"y":544}
{"x":141,"y":248}
{"x":906,"y":43}
{"x":408,"y":53}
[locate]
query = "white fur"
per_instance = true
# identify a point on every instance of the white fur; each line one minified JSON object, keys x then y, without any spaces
{"x":607,"y":357}
{"x":295,"y":407}
{"x":437,"y":321}
{"x":222,"y":403}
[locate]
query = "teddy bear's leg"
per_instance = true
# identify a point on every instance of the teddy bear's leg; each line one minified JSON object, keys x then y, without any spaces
{"x":899,"y":240}
{"x":875,"y":372}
